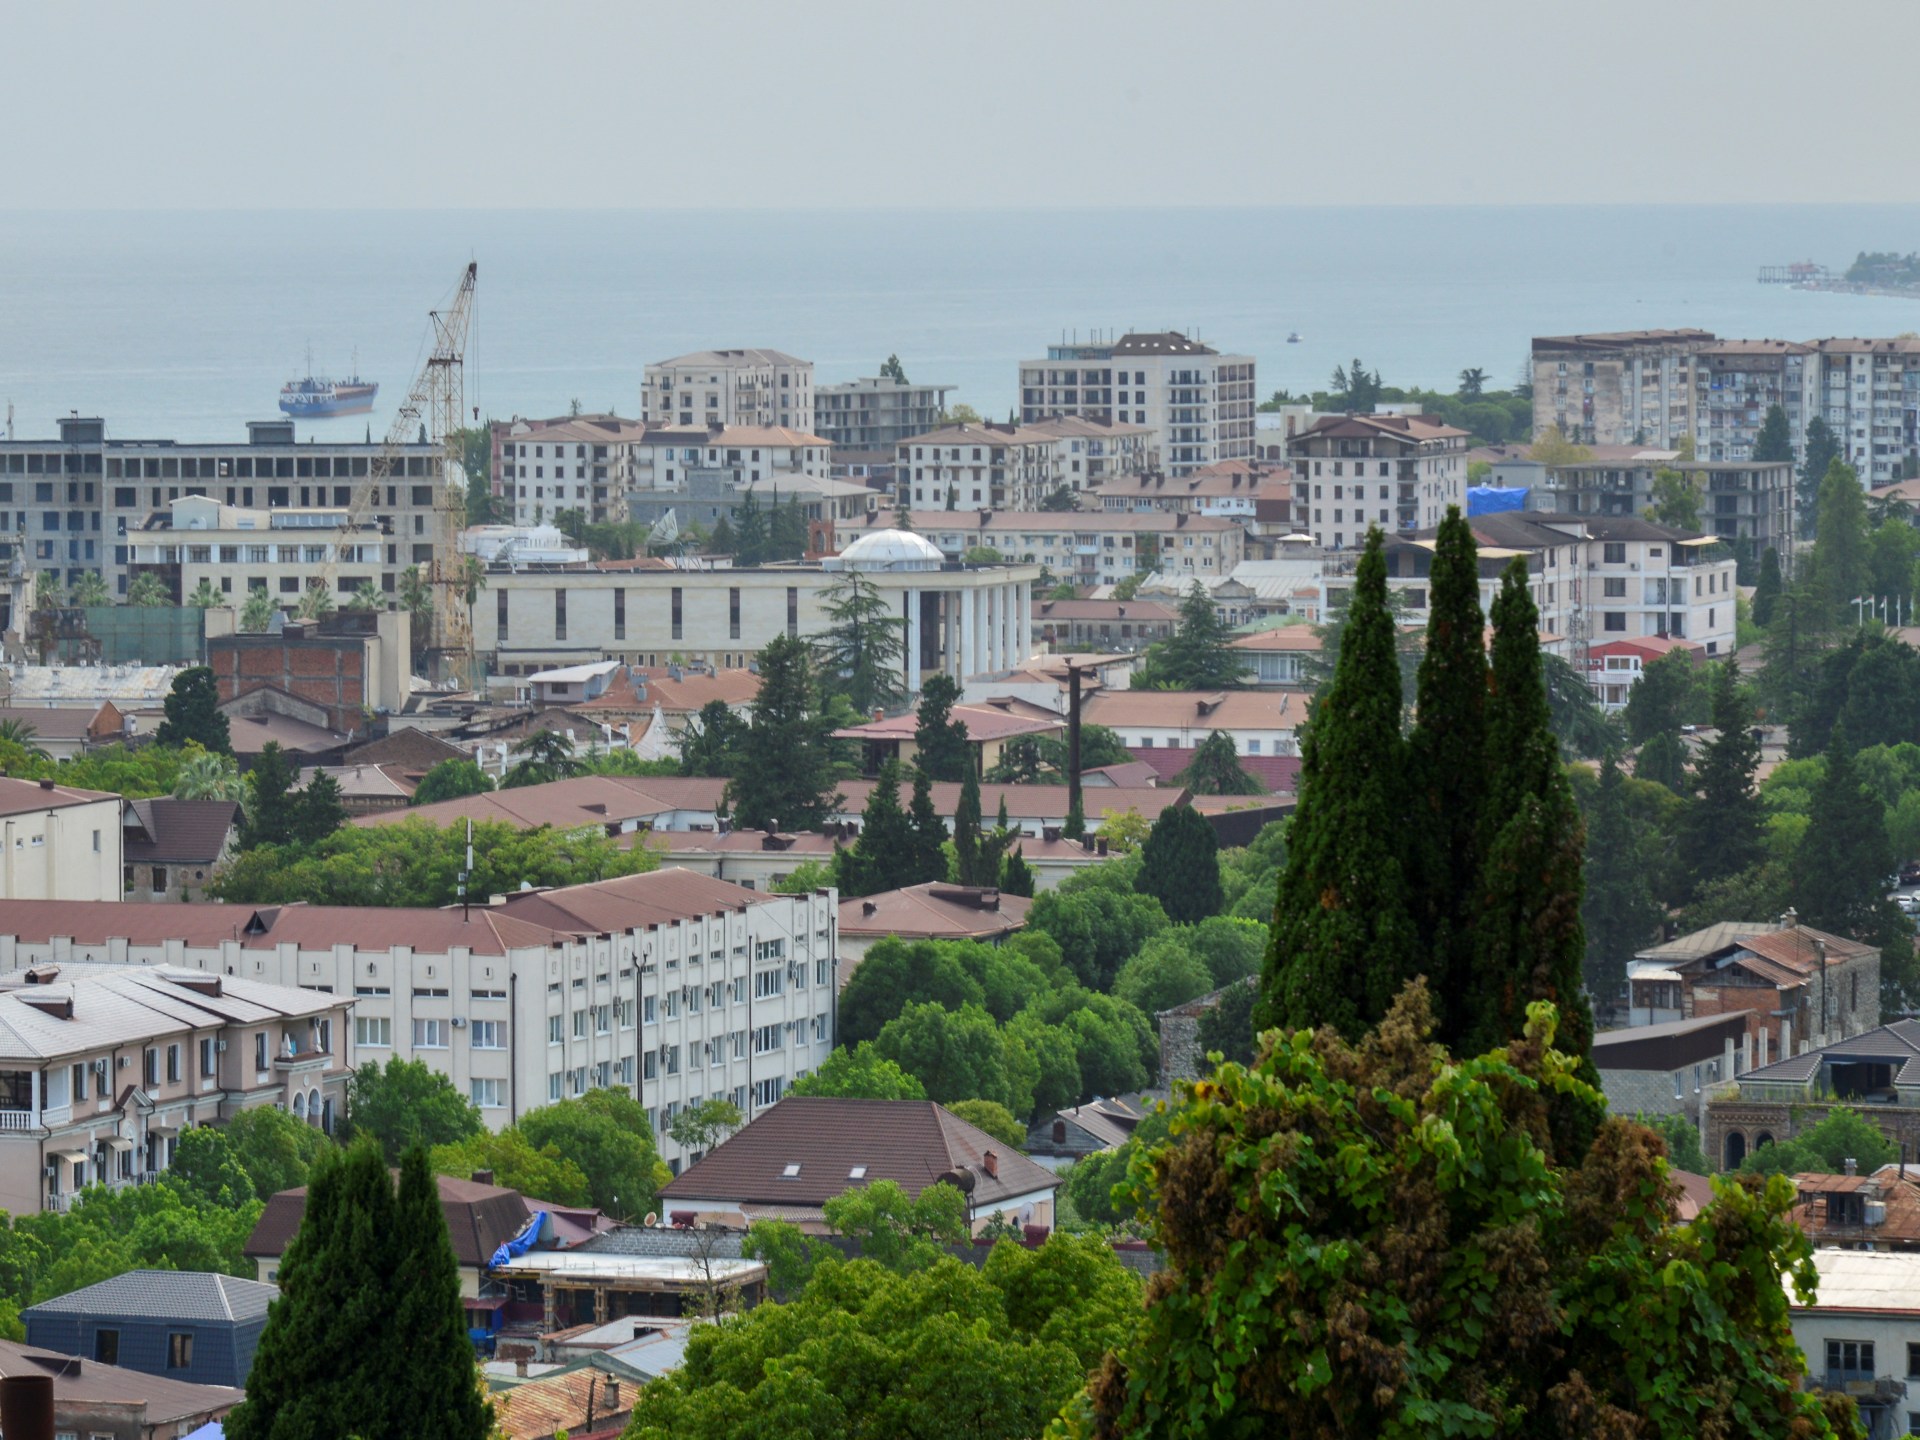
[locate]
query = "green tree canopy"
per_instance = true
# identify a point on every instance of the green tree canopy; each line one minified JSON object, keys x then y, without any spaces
{"x":862,"y":652}
{"x":449,"y":780}
{"x":1216,"y":770}
{"x":1766,"y":592}
{"x":1198,"y":655}
{"x":193,"y":713}
{"x":860,"y":1073}
{"x":277,"y":1151}
{"x":785,"y":768}
{"x":605,"y":1133}
{"x":1180,"y":867}
{"x":407,"y":1104}
{"x":1774,"y":443}
{"x":886,"y":855}
{"x":1167,"y":972}
{"x":1620,"y":912}
{"x":540,"y":1173}
{"x":939,"y":740}
{"x":996,"y":1120}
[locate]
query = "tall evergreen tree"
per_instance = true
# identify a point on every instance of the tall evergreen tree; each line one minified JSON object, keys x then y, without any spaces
{"x":939,"y":740}
{"x":976,"y":852}
{"x":435,"y":1391}
{"x":1725,"y":826}
{"x":1620,"y":911}
{"x":1344,"y":941}
{"x":751,"y":533}
{"x":784,"y":771}
{"x":1840,"y":558}
{"x":1198,"y":655}
{"x":1180,"y":866}
{"x":883,"y":856}
{"x":1766,"y":590}
{"x":1016,"y":876}
{"x":929,"y":831}
{"x":1844,"y":857}
{"x":1216,"y":770}
{"x":1773,"y":443}
{"x":193,"y":713}
{"x":321,"y":810}
{"x":324,"y":1366}
{"x":863,"y":649}
{"x":1663,"y":760}
{"x":274,"y":816}
{"x":1821,"y":450}
{"x":1531,"y":944}
{"x":1448,"y":762}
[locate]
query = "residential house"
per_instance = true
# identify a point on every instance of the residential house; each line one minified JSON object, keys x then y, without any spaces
{"x":64,"y":732}
{"x":990,"y":729}
{"x":1228,"y":489}
{"x":1281,"y":656}
{"x":103,"y":1401}
{"x":1861,"y":1335}
{"x":1851,"y":1211}
{"x":103,"y":1065}
{"x":1665,"y":1069}
{"x":1084,"y":1129}
{"x":1032,"y":810}
{"x":586,"y":463}
{"x":338,"y":672}
{"x":932,"y":910}
{"x":183,"y":1324}
{"x":285,"y":551}
{"x":1875,"y":1073}
{"x":1089,"y":450}
{"x":1110,"y":625}
{"x":977,"y":467}
{"x":729,"y":387}
{"x":1260,"y":722}
{"x":59,"y":843}
{"x":1614,"y":667}
{"x":611,"y":804}
{"x":592,"y":1396}
{"x":172,"y":847}
{"x":807,"y":1150}
{"x":365,"y":789}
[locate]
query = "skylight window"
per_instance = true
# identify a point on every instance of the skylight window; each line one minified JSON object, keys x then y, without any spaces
{"x":792,"y":1172}
{"x":858,"y":1172}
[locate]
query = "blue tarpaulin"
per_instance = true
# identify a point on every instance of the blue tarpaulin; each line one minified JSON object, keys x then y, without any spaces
{"x":1492,"y":499}
{"x":521,"y":1243}
{"x":212,"y":1431}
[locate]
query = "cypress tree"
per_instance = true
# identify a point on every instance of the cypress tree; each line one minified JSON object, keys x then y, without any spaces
{"x":1620,"y":911}
{"x":1766,"y":590}
{"x":1725,"y":825}
{"x":1529,"y":938}
{"x":434,"y":1393}
{"x":967,"y":840}
{"x":1344,"y":941}
{"x":940,"y":741}
{"x":1016,"y":876}
{"x":1180,"y":866}
{"x":929,"y":831}
{"x":1448,"y":758}
{"x":884,"y":857}
{"x":1773,"y":443}
{"x":1663,"y":760}
{"x":1844,"y":856}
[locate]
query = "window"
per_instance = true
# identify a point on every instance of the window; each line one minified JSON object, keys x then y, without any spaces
{"x":766,"y":1039}
{"x":209,"y":1056}
{"x":766,"y":1092}
{"x":579,"y":1024}
{"x":1615,"y":620}
{"x":373,"y":1031}
{"x":602,"y":1019}
{"x":173,"y":1064}
{"x":429,"y":1034}
{"x":1614,"y":552}
{"x":106,"y":1346}
{"x":674,"y":608}
{"x":1614,"y":587}
{"x":733,"y":612}
{"x":647,"y":1004}
{"x":559,"y":614}
{"x":179,"y":1350}
{"x":554,"y":1028}
{"x":152,"y":1068}
{"x":486,"y":1035}
{"x":619,"y":614}
{"x":260,"y":1050}
{"x":1849,"y":1360}
{"x":486,"y":1094}
{"x":769,"y":983}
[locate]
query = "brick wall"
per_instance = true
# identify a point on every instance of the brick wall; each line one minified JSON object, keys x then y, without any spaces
{"x":328,"y":671}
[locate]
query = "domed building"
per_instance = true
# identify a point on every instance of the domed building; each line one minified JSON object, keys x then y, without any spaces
{"x":889,"y":550}
{"x":963,"y":619}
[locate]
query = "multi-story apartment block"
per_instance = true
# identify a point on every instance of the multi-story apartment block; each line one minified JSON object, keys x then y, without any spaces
{"x":1737,"y":381}
{"x":578,"y":462}
{"x":876,"y":413}
{"x":670,"y":985}
{"x":961,"y":620}
{"x":669,"y":456}
{"x":1868,"y":391}
{"x":236,"y":550}
{"x":978,"y":467}
{"x":729,"y":387}
{"x":1740,"y":500}
{"x":74,"y":503}
{"x":1229,"y":488}
{"x":1633,"y":387}
{"x":1354,"y":472}
{"x":102,"y":1066}
{"x":1198,"y":403}
{"x":1085,"y":547}
{"x":1092,"y":450}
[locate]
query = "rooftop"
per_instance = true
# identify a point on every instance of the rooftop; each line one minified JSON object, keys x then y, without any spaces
{"x":75,"y":1008}
{"x":934,"y":910}
{"x":25,"y":797}
{"x":166,"y":1295}
{"x":595,"y":800}
{"x":165,"y":1406}
{"x":176,"y":832}
{"x":1866,"y":1282}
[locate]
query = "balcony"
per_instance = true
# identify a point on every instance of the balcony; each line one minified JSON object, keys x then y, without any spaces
{"x":301,"y":1061}
{"x":17,"y":1122}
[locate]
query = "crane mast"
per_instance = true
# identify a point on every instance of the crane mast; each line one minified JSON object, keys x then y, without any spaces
{"x":436,"y":401}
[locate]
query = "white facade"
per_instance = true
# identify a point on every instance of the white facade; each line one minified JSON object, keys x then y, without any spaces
{"x":729,"y":387}
{"x":1355,"y":472}
{"x":284,"y":551}
{"x":1198,"y":403}
{"x":876,"y":414}
{"x":686,"y":988}
{"x":59,"y":844}
{"x":1861,"y":1334}
{"x":1086,"y":547}
{"x":586,"y":463}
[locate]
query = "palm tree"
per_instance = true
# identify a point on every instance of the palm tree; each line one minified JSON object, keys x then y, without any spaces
{"x":257,"y":613}
{"x":413,"y":592}
{"x":22,"y":733}
{"x":1472,"y":383}
{"x":205,"y":597}
{"x":208,"y":776}
{"x":1882,"y":508}
{"x":545,"y":755}
{"x":472,"y":580}
{"x":315,"y":603}
{"x":47,"y":594}
{"x":149,"y":590}
{"x":365,"y":597}
{"x":90,"y":591}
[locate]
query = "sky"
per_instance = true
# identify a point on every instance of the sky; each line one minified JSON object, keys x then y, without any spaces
{"x":582,"y":104}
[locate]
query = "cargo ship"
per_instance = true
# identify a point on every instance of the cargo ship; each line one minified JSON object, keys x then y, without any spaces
{"x":316,"y":399}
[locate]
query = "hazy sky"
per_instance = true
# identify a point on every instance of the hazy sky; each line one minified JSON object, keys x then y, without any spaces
{"x":544,"y":103}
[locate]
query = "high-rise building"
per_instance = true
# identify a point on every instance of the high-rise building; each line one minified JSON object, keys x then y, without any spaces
{"x":876,"y":414}
{"x":1199,"y":403}
{"x":1354,"y":472}
{"x":730,"y":387}
{"x":1630,"y":387}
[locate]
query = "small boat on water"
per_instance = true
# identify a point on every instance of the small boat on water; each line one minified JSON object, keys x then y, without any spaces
{"x":316,"y":398}
{"x":1293,"y":337}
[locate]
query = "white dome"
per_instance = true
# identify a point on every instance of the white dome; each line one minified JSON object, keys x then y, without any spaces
{"x":892,"y":550}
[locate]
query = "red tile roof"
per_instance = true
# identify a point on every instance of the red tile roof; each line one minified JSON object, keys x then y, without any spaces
{"x":23,"y":797}
{"x":935,"y":911}
{"x":1279,"y":773}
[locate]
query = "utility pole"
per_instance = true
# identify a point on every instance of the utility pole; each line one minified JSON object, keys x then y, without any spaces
{"x":1821,"y":946}
{"x":1076,"y":827}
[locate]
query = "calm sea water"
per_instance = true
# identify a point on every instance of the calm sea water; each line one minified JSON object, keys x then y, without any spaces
{"x":184,"y":324}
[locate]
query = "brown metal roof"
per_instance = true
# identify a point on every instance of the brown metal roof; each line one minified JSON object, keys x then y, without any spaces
{"x":597,"y":800}
{"x":911,"y":1142}
{"x":935,"y":911}
{"x":23,"y":797}
{"x":411,"y":747}
{"x":178,"y":832}
{"x":631,"y":902}
{"x":80,"y":1383}
{"x":479,"y":1218}
{"x":311,"y":927}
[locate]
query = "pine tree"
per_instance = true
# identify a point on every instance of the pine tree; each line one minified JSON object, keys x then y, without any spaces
{"x":274,"y":816}
{"x":1197,"y":656}
{"x":1216,"y":770}
{"x":929,"y":831}
{"x":751,"y":538}
{"x":976,"y":858}
{"x":940,"y":741}
{"x":1016,"y":876}
{"x":193,"y":713}
{"x":1620,"y":911}
{"x":863,"y":649}
{"x":784,"y":769}
{"x":1529,"y":940}
{"x":1663,"y":760}
{"x":1724,"y":827}
{"x":320,"y":810}
{"x":884,"y":855}
{"x":1821,"y":450}
{"x":1344,"y":941}
{"x":1844,"y":857}
{"x":1839,"y":562}
{"x":1448,"y":762}
{"x":1766,"y":590}
{"x":1773,"y":443}
{"x":1180,"y":866}
{"x":722,"y":541}
{"x":432,"y":1374}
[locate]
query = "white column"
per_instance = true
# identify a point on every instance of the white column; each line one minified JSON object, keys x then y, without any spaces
{"x":993,"y":629}
{"x":965,"y":666}
{"x":913,"y":642}
{"x":1024,"y":621}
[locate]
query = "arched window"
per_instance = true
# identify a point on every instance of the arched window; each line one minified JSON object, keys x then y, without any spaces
{"x":1763,"y":1139}
{"x":300,"y":1105}
{"x":1736,"y":1149}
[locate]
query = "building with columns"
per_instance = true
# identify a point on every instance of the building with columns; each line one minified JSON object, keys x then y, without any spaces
{"x":961,"y":619}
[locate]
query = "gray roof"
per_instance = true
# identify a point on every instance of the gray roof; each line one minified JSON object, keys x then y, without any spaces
{"x":1896,"y":1044}
{"x":1706,"y":942}
{"x":166,"y":1295}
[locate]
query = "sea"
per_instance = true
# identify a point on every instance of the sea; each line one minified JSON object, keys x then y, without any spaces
{"x":184,"y":324}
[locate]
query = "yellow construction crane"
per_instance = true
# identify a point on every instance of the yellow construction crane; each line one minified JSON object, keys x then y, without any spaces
{"x":437,"y":402}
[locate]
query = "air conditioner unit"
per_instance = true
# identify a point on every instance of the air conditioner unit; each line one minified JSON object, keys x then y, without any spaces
{"x":1634,"y":566}
{"x":124,"y":1061}
{"x":49,"y":1168}
{"x":99,"y":1067}
{"x":220,"y":1046}
{"x":459,"y":1022}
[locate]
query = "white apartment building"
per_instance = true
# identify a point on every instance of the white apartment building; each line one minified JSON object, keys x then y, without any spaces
{"x":1085,"y":547}
{"x":960,"y":620}
{"x":876,"y":413}
{"x":102,"y":1066}
{"x":1198,"y":403}
{"x":670,"y":456}
{"x":978,"y":467}
{"x":1868,"y":391}
{"x":58,"y":843}
{"x":1861,"y":1333}
{"x":80,"y":500}
{"x":1355,"y":472}
{"x":283,"y":551}
{"x":582,"y":462}
{"x":672,"y":986}
{"x":1092,"y":450}
{"x":1630,"y":387}
{"x":729,"y":387}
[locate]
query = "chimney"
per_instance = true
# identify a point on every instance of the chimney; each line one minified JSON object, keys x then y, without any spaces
{"x":520,"y":1366}
{"x":879,"y":714}
{"x":612,"y":1395}
{"x":1789,"y":918}
{"x":867,"y":907}
{"x":483,"y":1177}
{"x":1850,"y":1166}
{"x":990,"y":1162}
{"x":46,"y":784}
